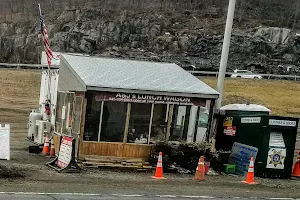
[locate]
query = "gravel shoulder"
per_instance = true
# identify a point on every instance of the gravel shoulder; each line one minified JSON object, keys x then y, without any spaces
{"x":40,"y":178}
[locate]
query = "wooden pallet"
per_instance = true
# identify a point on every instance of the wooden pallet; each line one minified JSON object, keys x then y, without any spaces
{"x":116,"y":162}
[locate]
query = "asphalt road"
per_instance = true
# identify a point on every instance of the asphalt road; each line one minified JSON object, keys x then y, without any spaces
{"x":69,"y":196}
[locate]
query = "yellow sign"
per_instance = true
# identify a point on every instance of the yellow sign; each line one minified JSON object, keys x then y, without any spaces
{"x":228,"y":121}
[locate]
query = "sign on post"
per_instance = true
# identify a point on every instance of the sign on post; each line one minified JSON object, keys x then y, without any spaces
{"x":241,"y":155}
{"x":5,"y":142}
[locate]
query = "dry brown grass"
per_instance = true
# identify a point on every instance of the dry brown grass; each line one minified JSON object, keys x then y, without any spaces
{"x":282,"y":97}
{"x":19,"y":93}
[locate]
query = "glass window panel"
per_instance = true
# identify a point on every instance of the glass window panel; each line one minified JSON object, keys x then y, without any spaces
{"x":180,"y":122}
{"x":92,"y":118}
{"x":113,"y":121}
{"x":203,"y":120}
{"x":139,"y":123}
{"x":202,"y":124}
{"x":159,"y":123}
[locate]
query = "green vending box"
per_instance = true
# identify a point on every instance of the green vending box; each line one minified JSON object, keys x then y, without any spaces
{"x":280,"y":148}
{"x":243,"y":124}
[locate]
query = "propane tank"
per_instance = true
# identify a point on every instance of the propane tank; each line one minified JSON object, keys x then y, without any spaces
{"x":32,"y":126}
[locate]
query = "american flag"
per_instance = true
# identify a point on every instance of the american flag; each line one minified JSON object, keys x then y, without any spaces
{"x":45,"y":39}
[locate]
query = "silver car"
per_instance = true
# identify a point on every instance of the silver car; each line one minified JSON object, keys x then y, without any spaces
{"x":245,"y":74}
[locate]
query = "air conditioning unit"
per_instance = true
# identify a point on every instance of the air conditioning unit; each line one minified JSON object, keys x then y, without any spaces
{"x":44,"y":127}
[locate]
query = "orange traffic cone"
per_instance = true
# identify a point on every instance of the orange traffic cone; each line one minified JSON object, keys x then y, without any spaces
{"x":200,"y":171}
{"x":159,"y":168}
{"x":250,"y":174}
{"x":296,"y":170}
{"x":52,"y":149}
{"x":46,"y":148}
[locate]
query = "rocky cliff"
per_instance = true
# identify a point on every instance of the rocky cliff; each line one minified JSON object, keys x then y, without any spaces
{"x":184,"y":32}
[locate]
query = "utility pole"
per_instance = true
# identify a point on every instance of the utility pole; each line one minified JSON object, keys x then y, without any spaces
{"x":225,"y":51}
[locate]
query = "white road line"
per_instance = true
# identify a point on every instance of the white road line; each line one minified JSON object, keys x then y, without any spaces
{"x":199,"y":197}
{"x":166,"y":196}
{"x":281,"y":198}
{"x":128,"y":195}
{"x":41,"y":193}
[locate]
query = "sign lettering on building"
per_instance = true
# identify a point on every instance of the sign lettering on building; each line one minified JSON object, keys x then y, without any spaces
{"x":250,"y":120}
{"x":146,"y":98}
{"x":275,"y":122}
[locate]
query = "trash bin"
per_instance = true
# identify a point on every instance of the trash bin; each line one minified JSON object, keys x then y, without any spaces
{"x":280,"y":149}
{"x":243,"y":124}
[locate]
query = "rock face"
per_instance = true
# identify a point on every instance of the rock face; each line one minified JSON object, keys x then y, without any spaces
{"x":187,"y":37}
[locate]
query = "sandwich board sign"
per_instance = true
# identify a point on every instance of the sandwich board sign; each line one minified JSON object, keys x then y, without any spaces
{"x":65,"y":152}
{"x":5,"y":142}
{"x":65,"y":162}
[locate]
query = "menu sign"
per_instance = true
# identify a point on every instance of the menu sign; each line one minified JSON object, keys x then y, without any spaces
{"x":65,"y":152}
{"x":145,"y":98}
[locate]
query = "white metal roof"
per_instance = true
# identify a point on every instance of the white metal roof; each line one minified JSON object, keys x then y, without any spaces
{"x":246,"y":107}
{"x":136,"y":75}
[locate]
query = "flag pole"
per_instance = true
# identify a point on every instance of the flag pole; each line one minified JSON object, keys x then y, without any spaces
{"x":225,"y":51}
{"x":48,"y":97}
{"x":39,"y":5}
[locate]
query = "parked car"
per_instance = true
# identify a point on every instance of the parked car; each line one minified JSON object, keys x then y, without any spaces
{"x":245,"y":74}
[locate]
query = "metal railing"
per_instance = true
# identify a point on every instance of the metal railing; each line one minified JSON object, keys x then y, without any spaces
{"x":20,"y":66}
{"x":196,"y":73}
{"x":267,"y":76}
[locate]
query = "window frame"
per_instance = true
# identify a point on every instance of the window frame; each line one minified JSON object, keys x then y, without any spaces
{"x":169,"y":117}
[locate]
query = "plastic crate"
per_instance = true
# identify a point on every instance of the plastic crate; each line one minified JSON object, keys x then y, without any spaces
{"x":229,"y":168}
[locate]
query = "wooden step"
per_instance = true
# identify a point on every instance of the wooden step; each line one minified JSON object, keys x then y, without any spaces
{"x":116,"y":162}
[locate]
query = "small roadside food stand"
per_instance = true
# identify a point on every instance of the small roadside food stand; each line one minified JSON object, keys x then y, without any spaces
{"x":120,"y":108}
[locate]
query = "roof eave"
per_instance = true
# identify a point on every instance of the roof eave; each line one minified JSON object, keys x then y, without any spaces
{"x":204,"y":96}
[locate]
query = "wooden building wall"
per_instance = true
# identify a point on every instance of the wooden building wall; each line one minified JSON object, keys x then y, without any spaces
{"x":115,"y":149}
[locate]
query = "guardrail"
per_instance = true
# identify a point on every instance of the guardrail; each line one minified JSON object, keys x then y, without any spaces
{"x":20,"y":66}
{"x":268,"y":76}
{"x":206,"y":73}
